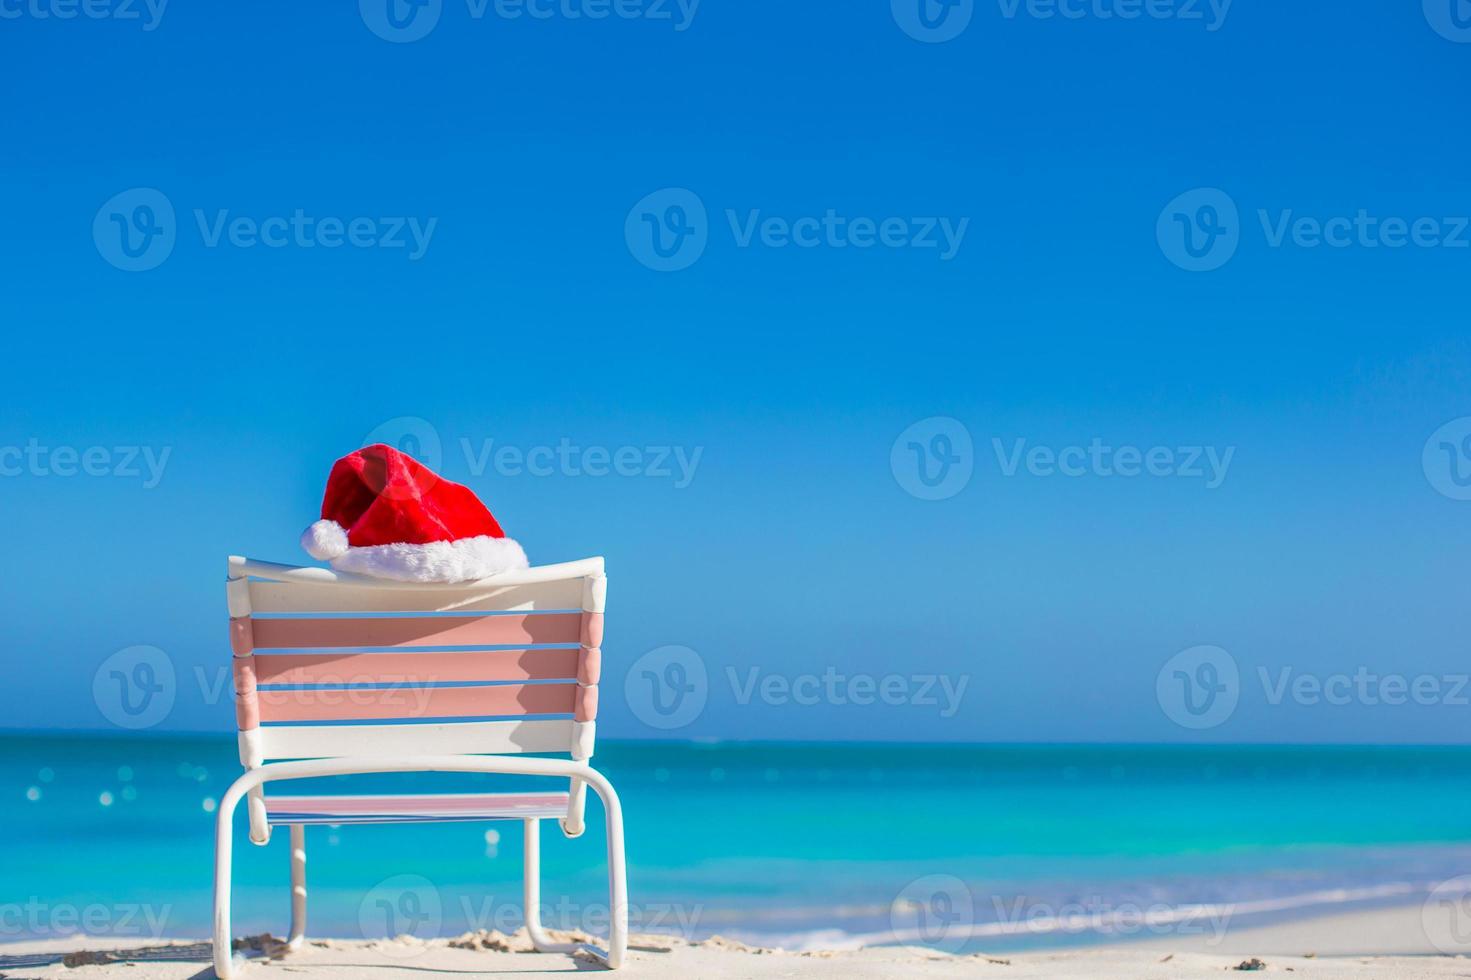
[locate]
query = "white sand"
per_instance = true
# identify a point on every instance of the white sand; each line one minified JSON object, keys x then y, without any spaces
{"x":1378,"y":945}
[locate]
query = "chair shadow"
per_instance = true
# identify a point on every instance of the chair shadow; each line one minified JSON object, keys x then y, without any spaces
{"x":136,"y":954}
{"x":183,"y":953}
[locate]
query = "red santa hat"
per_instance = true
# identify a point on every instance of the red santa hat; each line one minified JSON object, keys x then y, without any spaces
{"x":387,"y":515}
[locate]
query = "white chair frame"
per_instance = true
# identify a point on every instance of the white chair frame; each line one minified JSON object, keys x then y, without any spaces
{"x":576,"y":769}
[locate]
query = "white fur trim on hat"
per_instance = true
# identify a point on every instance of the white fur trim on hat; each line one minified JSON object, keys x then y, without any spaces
{"x":438,"y":561}
{"x":324,"y":540}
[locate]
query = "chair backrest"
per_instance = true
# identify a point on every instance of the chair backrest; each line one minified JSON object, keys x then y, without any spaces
{"x":334,"y":665}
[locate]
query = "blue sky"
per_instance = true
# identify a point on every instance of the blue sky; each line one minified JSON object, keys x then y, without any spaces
{"x":530,"y":152}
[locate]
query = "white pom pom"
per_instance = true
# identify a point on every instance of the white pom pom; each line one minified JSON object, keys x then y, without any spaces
{"x":325,"y":540}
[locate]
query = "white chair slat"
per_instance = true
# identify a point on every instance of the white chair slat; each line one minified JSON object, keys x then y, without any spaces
{"x":308,"y":597}
{"x":457,"y":738}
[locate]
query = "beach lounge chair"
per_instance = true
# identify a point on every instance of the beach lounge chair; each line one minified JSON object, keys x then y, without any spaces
{"x":529,"y":643}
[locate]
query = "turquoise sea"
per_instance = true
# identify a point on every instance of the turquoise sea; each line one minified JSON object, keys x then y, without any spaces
{"x":965,"y":847}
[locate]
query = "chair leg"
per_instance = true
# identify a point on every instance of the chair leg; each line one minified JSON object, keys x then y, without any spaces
{"x":531,"y":893}
{"x":617,"y":886}
{"x":617,"y":874}
{"x":298,"y":887}
{"x":223,"y":962}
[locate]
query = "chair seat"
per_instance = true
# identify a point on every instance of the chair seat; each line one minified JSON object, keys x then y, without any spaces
{"x":414,"y":809}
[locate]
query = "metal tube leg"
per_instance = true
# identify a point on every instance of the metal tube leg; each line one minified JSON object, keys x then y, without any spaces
{"x":224,"y":966}
{"x":617,"y":878}
{"x":617,"y":875}
{"x":531,"y":894}
{"x":531,"y":884}
{"x":298,"y":887}
{"x":572,"y":824}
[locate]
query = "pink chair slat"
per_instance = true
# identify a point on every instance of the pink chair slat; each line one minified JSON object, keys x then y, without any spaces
{"x":247,"y":706}
{"x":247,"y":711}
{"x":241,"y":639}
{"x":411,"y":804}
{"x":589,"y":666}
{"x":586,"y":707}
{"x":245,"y":674}
{"x":415,"y":668}
{"x":418,"y":631}
{"x":385,"y":809}
{"x":592,"y":630}
{"x":417,"y":702}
